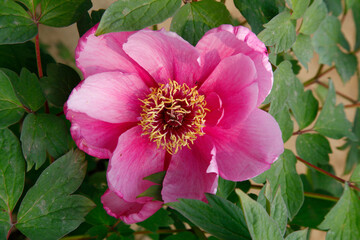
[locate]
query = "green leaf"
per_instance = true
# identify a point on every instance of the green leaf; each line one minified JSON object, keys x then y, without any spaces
{"x":12,"y":176}
{"x":280,"y":31}
{"x":286,"y":125}
{"x":313,"y":17}
{"x":356,"y":16}
{"x":334,"y":6}
{"x":153,"y":191}
{"x":313,"y":211}
{"x":43,"y":133}
{"x":299,"y":7}
{"x":313,"y":148}
{"x":283,"y":173}
{"x":323,"y":182}
{"x":160,"y":219}
{"x":28,"y":90}
{"x":275,"y":206}
{"x":257,"y":12}
{"x":332,"y":121}
{"x":18,"y":56}
{"x":11,"y":109}
{"x":193,"y":20}
{"x":61,"y":13}
{"x":225,"y":187}
{"x":303,"y":49}
{"x":298,"y":235}
{"x":257,"y":217}
{"x":156,"y":177}
{"x":345,"y":65}
{"x":355,"y":177}
{"x":16,"y":24}
{"x":60,"y":82}
{"x":283,"y":87}
{"x":86,"y":21}
{"x":220,"y":217}
{"x":326,"y":38}
{"x":129,"y":15}
{"x":343,"y":221}
{"x":48,"y":211}
{"x":304,"y":106}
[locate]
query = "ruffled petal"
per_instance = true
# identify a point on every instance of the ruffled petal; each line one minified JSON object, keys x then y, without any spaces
{"x":248,"y":149}
{"x":164,"y":55}
{"x":187,"y":175}
{"x":95,"y":137}
{"x":134,"y":158}
{"x":233,"y":80}
{"x":129,"y":212}
{"x":111,"y":97}
{"x":225,"y":41}
{"x":105,"y":54}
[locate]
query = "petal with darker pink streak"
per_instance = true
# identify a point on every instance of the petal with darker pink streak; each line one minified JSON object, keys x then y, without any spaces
{"x":248,"y":149}
{"x":165,"y":55}
{"x":134,"y":158}
{"x":187,"y":175}
{"x":111,"y":97}
{"x":104,"y":53}
{"x":129,"y":212}
{"x":225,"y":41}
{"x":93,"y":136}
{"x":233,"y":81}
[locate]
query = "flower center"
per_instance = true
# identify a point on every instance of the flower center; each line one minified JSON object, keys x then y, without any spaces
{"x":173,"y":115}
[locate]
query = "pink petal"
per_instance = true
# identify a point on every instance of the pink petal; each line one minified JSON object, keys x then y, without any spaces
{"x":135,"y":157}
{"x":164,"y":55}
{"x":187,"y":175}
{"x":233,"y":80}
{"x":129,"y":212}
{"x":105,"y":54}
{"x":248,"y":149}
{"x":216,"y":113}
{"x":95,"y":137}
{"x":226,"y":41}
{"x":111,"y":97}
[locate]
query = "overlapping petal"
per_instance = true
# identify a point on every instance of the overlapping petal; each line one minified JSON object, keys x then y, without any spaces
{"x":165,"y":56}
{"x":129,"y":212}
{"x":98,"y":54}
{"x":187,"y":175}
{"x":134,"y":158}
{"x":110,"y":97}
{"x":225,"y":41}
{"x":234,"y":81}
{"x":247,"y":149}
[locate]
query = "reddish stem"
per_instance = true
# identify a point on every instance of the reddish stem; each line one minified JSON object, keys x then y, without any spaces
{"x":327,"y":173}
{"x":302,"y":131}
{"x":38,"y":61}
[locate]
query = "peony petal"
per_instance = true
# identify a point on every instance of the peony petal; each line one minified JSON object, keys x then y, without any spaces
{"x":248,"y":149}
{"x":110,"y":97}
{"x":135,"y":157}
{"x":164,"y":55}
{"x":233,"y":81}
{"x":225,"y":41}
{"x":95,"y":137}
{"x":104,"y":53}
{"x":187,"y":175}
{"x":129,"y":212}
{"x":216,"y":113}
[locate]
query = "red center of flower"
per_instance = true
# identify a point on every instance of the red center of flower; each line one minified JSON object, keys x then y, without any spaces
{"x":173,"y":115}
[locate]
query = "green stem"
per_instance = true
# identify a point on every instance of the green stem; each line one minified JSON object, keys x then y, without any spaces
{"x":307,"y":194}
{"x":302,"y":131}
{"x":200,"y":234}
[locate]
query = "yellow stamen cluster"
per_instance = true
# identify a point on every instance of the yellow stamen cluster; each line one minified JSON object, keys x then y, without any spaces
{"x":173,"y":115}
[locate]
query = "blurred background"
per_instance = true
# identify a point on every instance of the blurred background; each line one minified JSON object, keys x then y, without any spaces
{"x":61,"y":44}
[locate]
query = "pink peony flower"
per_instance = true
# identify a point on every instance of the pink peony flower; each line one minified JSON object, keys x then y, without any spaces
{"x":151,"y":102}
